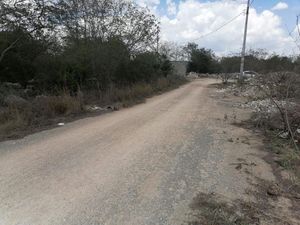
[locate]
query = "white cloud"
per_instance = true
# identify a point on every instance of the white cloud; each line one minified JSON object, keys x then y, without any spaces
{"x":280,"y":6}
{"x":194,"y":19}
{"x":151,"y":4}
{"x":171,"y":7}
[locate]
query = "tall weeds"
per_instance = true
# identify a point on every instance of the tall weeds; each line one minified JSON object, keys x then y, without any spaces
{"x":21,"y":115}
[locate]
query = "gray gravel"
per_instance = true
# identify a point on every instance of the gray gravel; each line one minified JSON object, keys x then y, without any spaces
{"x":141,"y":165}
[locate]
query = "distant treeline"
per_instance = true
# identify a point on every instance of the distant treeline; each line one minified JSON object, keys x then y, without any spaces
{"x":204,"y":60}
{"x":260,"y":61}
{"x":70,"y":44}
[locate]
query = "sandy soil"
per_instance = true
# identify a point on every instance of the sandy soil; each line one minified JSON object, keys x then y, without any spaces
{"x":141,"y":165}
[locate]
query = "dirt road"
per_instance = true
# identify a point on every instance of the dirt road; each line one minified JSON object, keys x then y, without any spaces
{"x":141,"y":165}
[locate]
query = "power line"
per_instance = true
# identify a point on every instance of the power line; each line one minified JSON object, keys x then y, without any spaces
{"x":219,"y":28}
{"x":223,"y":25}
{"x":290,"y":32}
{"x":291,"y":36}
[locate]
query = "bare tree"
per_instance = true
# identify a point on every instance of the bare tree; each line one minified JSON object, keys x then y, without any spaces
{"x":281,"y":88}
{"x":107,"y":19}
{"x":173,"y":51}
{"x":33,"y":18}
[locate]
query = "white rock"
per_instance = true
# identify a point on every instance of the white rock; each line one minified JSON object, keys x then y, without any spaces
{"x":284,"y":135}
{"x":221,"y":90}
{"x":94,"y":108}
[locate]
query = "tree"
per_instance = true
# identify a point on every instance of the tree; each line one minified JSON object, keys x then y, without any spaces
{"x":230,"y":64}
{"x":69,"y":44}
{"x":107,"y":19}
{"x":202,"y":60}
{"x":276,"y":63}
{"x":23,"y":54}
{"x":166,"y":66}
{"x":34,"y":18}
{"x":189,"y":49}
{"x":259,"y":61}
{"x":173,"y":51}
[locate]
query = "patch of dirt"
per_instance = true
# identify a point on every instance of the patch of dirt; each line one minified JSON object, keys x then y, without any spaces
{"x":208,"y":209}
{"x":267,"y":203}
{"x":287,"y":185}
{"x":274,"y":201}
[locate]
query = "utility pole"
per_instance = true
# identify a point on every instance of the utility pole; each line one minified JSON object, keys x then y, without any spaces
{"x":244,"y":43}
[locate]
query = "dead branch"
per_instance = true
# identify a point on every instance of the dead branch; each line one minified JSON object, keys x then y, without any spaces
{"x":287,"y":119}
{"x":12,"y":45}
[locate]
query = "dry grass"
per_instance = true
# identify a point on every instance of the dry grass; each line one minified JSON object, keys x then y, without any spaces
{"x":277,"y":112}
{"x":51,"y":106}
{"x":136,"y":93}
{"x":286,"y":156}
{"x":212,"y":209}
{"x":216,"y":209}
{"x":19,"y":115}
{"x":10,"y":121}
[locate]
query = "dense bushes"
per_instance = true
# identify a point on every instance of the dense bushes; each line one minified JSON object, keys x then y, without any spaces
{"x":261,"y":62}
{"x":203,"y":61}
{"x":58,"y":57}
{"x":69,"y":44}
{"x":106,"y":63}
{"x":19,"y":116}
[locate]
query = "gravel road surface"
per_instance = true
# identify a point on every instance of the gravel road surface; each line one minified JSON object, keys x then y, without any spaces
{"x":136,"y":166}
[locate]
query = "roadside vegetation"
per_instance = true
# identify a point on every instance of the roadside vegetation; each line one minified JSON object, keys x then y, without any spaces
{"x":274,"y":99}
{"x":214,"y":209}
{"x":68,"y":57}
{"x":21,"y":115}
{"x":277,"y":112}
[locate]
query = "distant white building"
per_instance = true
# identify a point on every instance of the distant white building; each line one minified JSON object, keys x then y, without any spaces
{"x":179,"y":68}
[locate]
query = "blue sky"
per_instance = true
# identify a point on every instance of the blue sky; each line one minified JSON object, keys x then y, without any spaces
{"x":269,"y":22}
{"x":288,"y":15}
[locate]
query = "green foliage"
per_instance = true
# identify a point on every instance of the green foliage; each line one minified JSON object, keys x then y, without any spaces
{"x":68,"y":44}
{"x":259,"y":61}
{"x":201,"y":60}
{"x":230,"y":64}
{"x":166,"y":66}
{"x":18,"y":65}
{"x":144,"y":67}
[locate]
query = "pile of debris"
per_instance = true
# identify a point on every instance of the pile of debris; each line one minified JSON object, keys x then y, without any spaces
{"x":271,"y":108}
{"x":267,"y":105}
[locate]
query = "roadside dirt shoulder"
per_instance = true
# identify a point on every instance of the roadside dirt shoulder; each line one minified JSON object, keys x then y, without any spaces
{"x":265,"y":199}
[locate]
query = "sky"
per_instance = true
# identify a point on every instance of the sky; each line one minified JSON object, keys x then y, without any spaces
{"x":272,"y":24}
